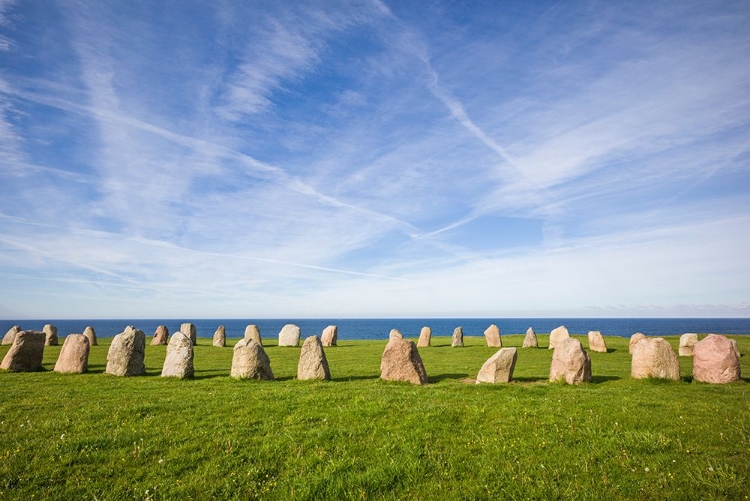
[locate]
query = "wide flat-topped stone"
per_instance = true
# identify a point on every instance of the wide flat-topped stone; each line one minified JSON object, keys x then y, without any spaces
{"x":715,"y":360}
{"x":654,"y":358}
{"x":289,"y":335}
{"x":26,"y":352}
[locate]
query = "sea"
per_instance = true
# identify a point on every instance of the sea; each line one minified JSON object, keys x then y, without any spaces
{"x":379,"y":328}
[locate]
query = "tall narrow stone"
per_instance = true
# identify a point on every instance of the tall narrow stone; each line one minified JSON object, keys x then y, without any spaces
{"x":126,"y":353}
{"x":190,"y":331}
{"x":654,"y":358}
{"x":179,"y":360}
{"x":425,"y":337}
{"x":330,"y":336}
{"x":220,"y":337}
{"x":90,"y":334}
{"x":289,"y":335}
{"x":26,"y":353}
{"x":557,"y":335}
{"x":635,"y":339}
{"x":499,"y":367}
{"x":395,"y":334}
{"x":401,"y":362}
{"x":570,"y":362}
{"x":687,"y":341}
{"x":50,"y":332}
{"x":161,"y":336}
{"x":596,"y":342}
{"x":249,"y":361}
{"x":529,"y":340}
{"x":312,"y":361}
{"x":11,"y":335}
{"x":74,"y":354}
{"x":252,"y":331}
{"x":715,"y":360}
{"x":458,"y":337}
{"x":492,"y":336}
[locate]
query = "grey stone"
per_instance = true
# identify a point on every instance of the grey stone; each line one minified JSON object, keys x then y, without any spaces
{"x":126,"y":353}
{"x":570,"y":362}
{"x":425,"y":337}
{"x":289,"y":335}
{"x":220,"y":337}
{"x":179,"y":360}
{"x":401,"y":362}
{"x":26,"y":353}
{"x":458,"y":337}
{"x":312,"y":361}
{"x":634,"y":339}
{"x":90,"y":334}
{"x":529,"y":340}
{"x":492,"y":336}
{"x":330,"y":336}
{"x":74,"y":354}
{"x":161,"y":336}
{"x":252,"y":331}
{"x":499,"y":367}
{"x":687,"y":341}
{"x":50,"y":331}
{"x":596,"y":342}
{"x":654,"y":358}
{"x":557,"y":335}
{"x":249,"y":361}
{"x":11,"y":335}
{"x":190,"y":331}
{"x":395,"y":334}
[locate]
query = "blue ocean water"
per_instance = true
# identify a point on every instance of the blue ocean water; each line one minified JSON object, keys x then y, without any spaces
{"x":378,"y":328}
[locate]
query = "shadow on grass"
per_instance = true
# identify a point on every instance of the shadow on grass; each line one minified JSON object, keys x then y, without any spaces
{"x":355,"y":378}
{"x":443,"y":377}
{"x":530,"y":379}
{"x":611,"y":350}
{"x":604,"y":379}
{"x":209,"y":375}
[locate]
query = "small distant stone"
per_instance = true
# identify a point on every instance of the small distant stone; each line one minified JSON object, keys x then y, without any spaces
{"x":499,"y":367}
{"x":90,"y":334}
{"x":492,"y":336}
{"x":458,"y":337}
{"x":401,"y":362}
{"x":425,"y":337}
{"x":635,"y":339}
{"x":687,"y":341}
{"x":126,"y":353}
{"x":50,"y":332}
{"x":395,"y":334}
{"x":715,"y":360}
{"x":570,"y":362}
{"x":11,"y":335}
{"x":161,"y":336}
{"x":312,"y":361}
{"x":220,"y":337}
{"x":74,"y":354}
{"x":736,"y":347}
{"x":179,"y":360}
{"x":330,"y":336}
{"x":289,"y":335}
{"x":654,"y":358}
{"x":596,"y":342}
{"x":557,"y":335}
{"x":529,"y":340}
{"x":250,"y":361}
{"x":190,"y":331}
{"x":26,"y":353}
{"x":252,"y":331}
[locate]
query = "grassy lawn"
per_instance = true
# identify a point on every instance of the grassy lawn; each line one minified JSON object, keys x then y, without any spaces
{"x":100,"y":437}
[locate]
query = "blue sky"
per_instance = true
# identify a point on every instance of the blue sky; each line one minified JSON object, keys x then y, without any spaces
{"x":375,"y":158}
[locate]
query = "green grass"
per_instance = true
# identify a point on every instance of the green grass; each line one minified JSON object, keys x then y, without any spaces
{"x":94,"y":436}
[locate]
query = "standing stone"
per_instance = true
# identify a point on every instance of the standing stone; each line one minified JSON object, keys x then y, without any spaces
{"x":529,"y":340}
{"x":330,"y":336}
{"x":161,"y":336}
{"x":401,"y":362}
{"x":570,"y":362}
{"x":557,"y":335}
{"x":596,"y":342}
{"x":458,"y":337}
{"x":312,"y":361}
{"x":190,"y":331}
{"x":252,"y":331}
{"x":26,"y":352}
{"x":736,"y":347}
{"x":179,"y":360}
{"x":492,"y":336}
{"x":250,"y":361}
{"x":50,"y":332}
{"x":126,"y":353}
{"x":499,"y":367}
{"x":289,"y":335}
{"x":425,"y":337}
{"x":90,"y":334}
{"x":635,"y":339}
{"x":11,"y":335}
{"x":220,"y":337}
{"x":715,"y":360}
{"x":687,"y":341}
{"x":74,"y":355}
{"x":395,"y":334}
{"x":654,"y":358}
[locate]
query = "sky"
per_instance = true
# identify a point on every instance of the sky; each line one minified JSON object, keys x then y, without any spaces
{"x":223,"y":159}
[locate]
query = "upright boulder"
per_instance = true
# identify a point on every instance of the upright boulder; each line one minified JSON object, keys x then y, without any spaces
{"x":736,"y":347}
{"x":252,"y":331}
{"x":687,"y":341}
{"x":289,"y":335}
{"x":126,"y":353}
{"x":715,"y":360}
{"x":90,"y":334}
{"x":190,"y":331}
{"x":570,"y":362}
{"x":74,"y":354}
{"x":11,"y":335}
{"x":458,"y":337}
{"x":635,"y":339}
{"x":557,"y":335}
{"x":50,"y":332}
{"x":499,"y":367}
{"x":26,"y":353}
{"x":401,"y":362}
{"x":529,"y":340}
{"x":654,"y":358}
{"x":312,"y":361}
{"x":179,"y":360}
{"x":596,"y":342}
{"x":395,"y":334}
{"x":330,"y":336}
{"x":161,"y":336}
{"x":220,"y":337}
{"x":425,"y":337}
{"x":249,"y":361}
{"x":492,"y":336}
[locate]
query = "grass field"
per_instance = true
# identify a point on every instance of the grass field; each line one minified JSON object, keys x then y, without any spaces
{"x":101,"y":437}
